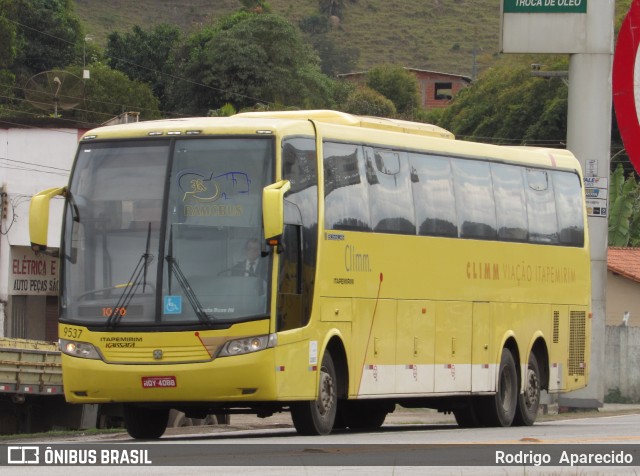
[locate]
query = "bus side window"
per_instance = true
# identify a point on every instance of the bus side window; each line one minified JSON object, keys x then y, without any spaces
{"x":390,"y":200}
{"x":541,"y":207}
{"x":474,"y":199}
{"x":569,"y":208}
{"x":290,"y":308}
{"x":433,"y":196}
{"x":346,"y":194}
{"x":511,"y":202}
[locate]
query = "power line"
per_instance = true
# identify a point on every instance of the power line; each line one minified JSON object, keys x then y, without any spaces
{"x":6,"y":167}
{"x":37,"y":165}
{"x":62,"y":119}
{"x":29,"y":126}
{"x":24,"y":89}
{"x":39,"y":31}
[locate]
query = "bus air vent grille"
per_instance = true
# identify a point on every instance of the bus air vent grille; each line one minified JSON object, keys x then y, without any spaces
{"x":556,"y":327}
{"x":577,"y":326}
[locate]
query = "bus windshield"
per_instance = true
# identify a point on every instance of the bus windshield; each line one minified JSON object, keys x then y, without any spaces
{"x":166,"y":232}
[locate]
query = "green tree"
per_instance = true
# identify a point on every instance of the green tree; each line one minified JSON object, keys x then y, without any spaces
{"x":110,"y":93}
{"x":144,"y":55}
{"x":245,"y":59}
{"x":7,"y":50}
{"x":368,"y":102}
{"x":48,"y":35}
{"x":508,"y":105}
{"x":315,"y":24}
{"x":225,"y":111}
{"x":334,"y":58}
{"x":331,"y":7}
{"x":398,"y":85}
{"x":7,"y":34}
{"x":624,"y":209}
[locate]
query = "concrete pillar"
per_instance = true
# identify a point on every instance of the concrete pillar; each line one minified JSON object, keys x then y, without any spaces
{"x":589,"y":138}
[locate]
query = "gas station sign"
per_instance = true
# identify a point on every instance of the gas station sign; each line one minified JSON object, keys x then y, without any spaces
{"x":545,"y":6}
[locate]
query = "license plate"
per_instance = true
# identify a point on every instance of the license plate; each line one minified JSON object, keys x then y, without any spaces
{"x":159,"y":382}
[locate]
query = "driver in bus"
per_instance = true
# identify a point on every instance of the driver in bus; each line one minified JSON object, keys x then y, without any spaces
{"x":251,"y":265}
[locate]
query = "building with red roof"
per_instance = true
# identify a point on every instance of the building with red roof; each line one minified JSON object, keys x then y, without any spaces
{"x":623,"y":286}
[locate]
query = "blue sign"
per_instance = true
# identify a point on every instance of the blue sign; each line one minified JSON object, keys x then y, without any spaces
{"x":172,"y":304}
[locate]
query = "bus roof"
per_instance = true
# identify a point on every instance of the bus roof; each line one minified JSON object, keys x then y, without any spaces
{"x":239,"y":121}
{"x":342,"y":118}
{"x":344,"y":125}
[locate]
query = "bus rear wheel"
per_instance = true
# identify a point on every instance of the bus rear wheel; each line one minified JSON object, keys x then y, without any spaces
{"x":529,"y":401}
{"x":500,"y":409}
{"x":318,"y":416}
{"x":145,"y":423}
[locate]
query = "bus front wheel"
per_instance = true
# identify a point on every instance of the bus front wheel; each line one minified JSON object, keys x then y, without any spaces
{"x":145,"y":423}
{"x":500,"y":409}
{"x":529,"y":401}
{"x":318,"y":416}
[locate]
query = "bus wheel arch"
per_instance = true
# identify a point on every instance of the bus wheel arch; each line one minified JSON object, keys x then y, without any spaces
{"x":340,"y":362}
{"x":541,"y":353}
{"x":317,"y":417}
{"x":499,"y":409}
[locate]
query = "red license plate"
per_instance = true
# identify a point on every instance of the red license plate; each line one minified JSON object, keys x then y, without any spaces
{"x":159,"y":382}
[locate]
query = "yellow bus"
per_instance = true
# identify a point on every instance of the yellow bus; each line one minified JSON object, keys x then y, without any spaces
{"x":321,"y":263}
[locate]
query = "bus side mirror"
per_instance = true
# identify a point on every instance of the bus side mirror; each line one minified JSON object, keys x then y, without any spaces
{"x":273,"y":211}
{"x":39,"y":216}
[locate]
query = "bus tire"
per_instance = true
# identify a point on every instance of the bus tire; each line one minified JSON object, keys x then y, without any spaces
{"x":317,"y":417}
{"x":145,"y":423}
{"x":529,"y":400}
{"x":500,"y":409}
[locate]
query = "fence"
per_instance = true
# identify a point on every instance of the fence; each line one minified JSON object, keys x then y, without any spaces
{"x":622,"y":361}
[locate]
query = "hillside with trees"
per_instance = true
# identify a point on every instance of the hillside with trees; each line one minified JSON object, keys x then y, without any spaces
{"x":442,"y":35}
{"x":219,"y":57}
{"x":165,"y":58}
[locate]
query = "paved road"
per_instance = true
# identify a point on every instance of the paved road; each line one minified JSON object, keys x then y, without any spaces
{"x":409,"y":443}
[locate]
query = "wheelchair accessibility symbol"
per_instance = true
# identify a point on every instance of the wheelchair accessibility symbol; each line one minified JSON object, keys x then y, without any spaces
{"x":172,"y":304}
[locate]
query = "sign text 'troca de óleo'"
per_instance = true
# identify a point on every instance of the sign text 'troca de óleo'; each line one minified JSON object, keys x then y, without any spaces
{"x":32,"y":274}
{"x":545,"y":6}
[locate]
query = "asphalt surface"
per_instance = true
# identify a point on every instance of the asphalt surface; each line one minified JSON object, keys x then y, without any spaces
{"x":402,"y":416}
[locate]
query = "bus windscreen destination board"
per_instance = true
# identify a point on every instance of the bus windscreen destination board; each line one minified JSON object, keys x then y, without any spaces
{"x":545,"y":6}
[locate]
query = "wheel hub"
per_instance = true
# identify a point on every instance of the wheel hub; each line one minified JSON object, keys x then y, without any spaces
{"x":325,"y":398}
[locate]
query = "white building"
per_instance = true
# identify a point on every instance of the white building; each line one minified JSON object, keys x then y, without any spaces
{"x":32,"y":158}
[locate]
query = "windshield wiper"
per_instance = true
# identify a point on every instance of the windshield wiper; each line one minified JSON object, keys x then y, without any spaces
{"x":174,"y":269}
{"x":139,"y":276}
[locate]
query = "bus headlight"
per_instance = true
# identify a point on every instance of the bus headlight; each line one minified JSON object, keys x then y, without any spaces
{"x":247,"y":345}
{"x":83,"y":350}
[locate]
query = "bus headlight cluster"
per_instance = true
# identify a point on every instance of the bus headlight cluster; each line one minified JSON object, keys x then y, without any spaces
{"x":247,"y":345}
{"x":83,"y":350}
